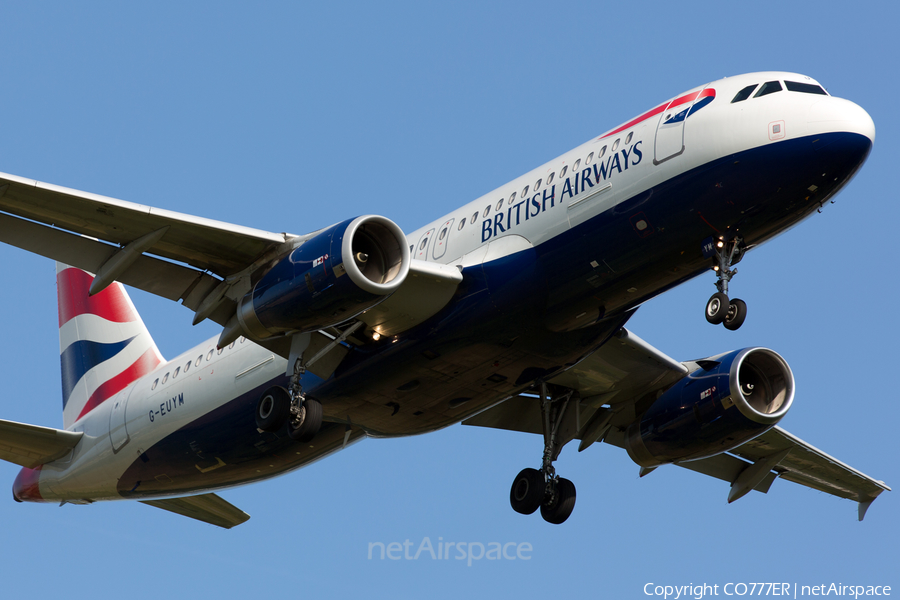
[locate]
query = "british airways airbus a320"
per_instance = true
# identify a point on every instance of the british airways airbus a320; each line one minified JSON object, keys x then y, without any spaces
{"x":508,"y":312}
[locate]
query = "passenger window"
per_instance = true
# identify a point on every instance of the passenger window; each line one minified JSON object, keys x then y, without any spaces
{"x":443,"y":234}
{"x":199,"y":359}
{"x":423,"y":244}
{"x":219,"y":351}
{"x":576,"y":165}
{"x":512,"y":198}
{"x":231,"y":345}
{"x":602,"y":152}
{"x":155,"y":382}
{"x":475,"y":218}
{"x":744,"y":93}
{"x":187,"y":366}
{"x":242,"y":339}
{"x":165,"y":378}
{"x":550,"y":179}
{"x":462,"y":223}
{"x":615,"y":145}
{"x":177,"y":371}
{"x":563,"y":172}
{"x":628,"y":138}
{"x":537,"y":185}
{"x":209,"y":356}
{"x":500,"y":204}
{"x":588,"y":160}
{"x":769,"y":87}
{"x":525,"y":191}
{"x":806,"y":88}
{"x":487,"y":209}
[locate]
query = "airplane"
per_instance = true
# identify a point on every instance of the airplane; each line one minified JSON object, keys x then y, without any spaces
{"x":509,"y":312}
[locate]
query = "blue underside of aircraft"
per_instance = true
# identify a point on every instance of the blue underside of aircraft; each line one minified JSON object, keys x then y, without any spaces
{"x":533,"y":301}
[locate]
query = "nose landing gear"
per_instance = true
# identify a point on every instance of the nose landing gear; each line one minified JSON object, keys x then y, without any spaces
{"x":533,"y":488}
{"x":719,"y":308}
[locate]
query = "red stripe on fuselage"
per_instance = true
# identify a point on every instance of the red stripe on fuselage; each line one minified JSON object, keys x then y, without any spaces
{"x":72,"y":286}
{"x":650,"y":113}
{"x":145,"y":364}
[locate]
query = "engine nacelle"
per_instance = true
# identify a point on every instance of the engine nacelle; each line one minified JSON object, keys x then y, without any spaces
{"x":738,"y":396}
{"x":330,"y":278}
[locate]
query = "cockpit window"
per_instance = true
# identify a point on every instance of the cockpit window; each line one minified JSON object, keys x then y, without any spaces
{"x":744,"y":93}
{"x":769,"y":87}
{"x":806,"y":88}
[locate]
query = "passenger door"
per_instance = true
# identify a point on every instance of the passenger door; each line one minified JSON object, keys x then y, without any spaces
{"x":118,"y":432}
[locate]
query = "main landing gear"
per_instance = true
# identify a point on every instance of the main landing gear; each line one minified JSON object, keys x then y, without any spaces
{"x":533,"y":488}
{"x":719,"y":309}
{"x":278,"y":405}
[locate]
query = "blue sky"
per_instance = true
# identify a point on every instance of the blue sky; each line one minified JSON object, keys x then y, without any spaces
{"x":290,"y":117}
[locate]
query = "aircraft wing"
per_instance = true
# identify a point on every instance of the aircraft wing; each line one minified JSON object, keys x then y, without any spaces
{"x":803,"y":464}
{"x":91,"y":232}
{"x":115,"y":240}
{"x":612,"y":383}
{"x":31,"y":445}
{"x":208,"y":508}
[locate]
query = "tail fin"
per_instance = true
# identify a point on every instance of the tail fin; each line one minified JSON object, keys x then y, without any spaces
{"x":103,"y":343}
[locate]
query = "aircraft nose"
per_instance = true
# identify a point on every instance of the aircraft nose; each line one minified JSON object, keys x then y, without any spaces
{"x":840,"y":116}
{"x":25,"y":487}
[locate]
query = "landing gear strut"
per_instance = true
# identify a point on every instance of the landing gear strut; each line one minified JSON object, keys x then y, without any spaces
{"x":278,"y":405}
{"x":719,"y":308}
{"x":544,"y":489}
{"x":305,"y":418}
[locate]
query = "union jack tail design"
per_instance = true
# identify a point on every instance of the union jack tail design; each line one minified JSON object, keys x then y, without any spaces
{"x":103,"y":343}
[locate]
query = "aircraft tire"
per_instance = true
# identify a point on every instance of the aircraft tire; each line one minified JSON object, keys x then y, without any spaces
{"x":737,"y":313}
{"x":527,"y":492}
{"x":273,"y":408}
{"x":312,"y":422}
{"x":562,"y":508}
{"x":717,"y":308}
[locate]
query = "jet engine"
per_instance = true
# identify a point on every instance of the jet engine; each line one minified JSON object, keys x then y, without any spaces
{"x":728,"y":400}
{"x":330,"y":278}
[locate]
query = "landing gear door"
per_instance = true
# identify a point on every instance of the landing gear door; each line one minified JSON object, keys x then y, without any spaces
{"x":118,"y":434}
{"x":670,"y":130}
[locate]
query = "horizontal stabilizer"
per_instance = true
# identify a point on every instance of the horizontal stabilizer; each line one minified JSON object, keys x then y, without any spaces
{"x":208,"y":508}
{"x":31,"y":446}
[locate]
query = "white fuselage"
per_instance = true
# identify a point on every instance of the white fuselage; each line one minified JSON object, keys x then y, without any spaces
{"x":516,"y":216}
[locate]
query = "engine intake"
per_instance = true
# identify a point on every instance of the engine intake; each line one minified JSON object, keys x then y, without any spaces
{"x":730,"y":400}
{"x":331,"y":278}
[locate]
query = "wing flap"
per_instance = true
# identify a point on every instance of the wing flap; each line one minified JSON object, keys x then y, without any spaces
{"x":31,"y":445}
{"x":208,"y":508}
{"x":811,"y":467}
{"x":727,"y":468}
{"x":162,"y":278}
{"x":211,"y":245}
